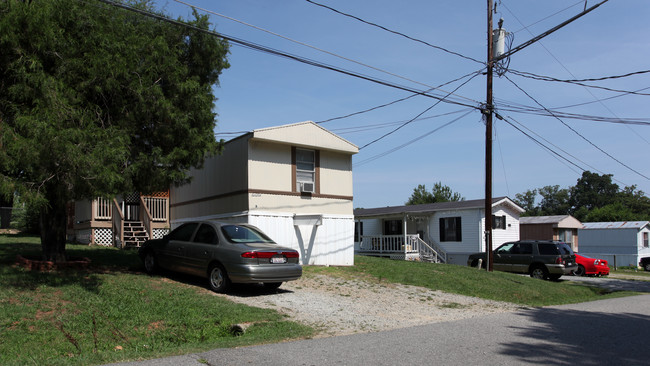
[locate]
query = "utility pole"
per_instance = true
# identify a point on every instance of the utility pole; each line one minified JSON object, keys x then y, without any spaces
{"x":488,"y":142}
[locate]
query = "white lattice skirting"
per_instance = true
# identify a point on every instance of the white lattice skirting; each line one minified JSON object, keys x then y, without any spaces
{"x":103,"y":237}
{"x":159,"y":233}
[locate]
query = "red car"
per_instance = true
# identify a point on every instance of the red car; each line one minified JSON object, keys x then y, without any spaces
{"x":590,"y":266}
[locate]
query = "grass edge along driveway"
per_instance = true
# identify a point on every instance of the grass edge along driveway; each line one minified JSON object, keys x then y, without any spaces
{"x":113,"y":312}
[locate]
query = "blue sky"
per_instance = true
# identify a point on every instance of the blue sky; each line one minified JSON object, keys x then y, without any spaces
{"x":261,"y":90}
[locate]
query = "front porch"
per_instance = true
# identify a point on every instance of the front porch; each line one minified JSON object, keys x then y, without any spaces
{"x":404,"y":247}
{"x":123,"y":222}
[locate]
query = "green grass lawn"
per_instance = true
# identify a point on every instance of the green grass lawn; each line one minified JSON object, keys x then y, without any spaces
{"x":114,"y":312}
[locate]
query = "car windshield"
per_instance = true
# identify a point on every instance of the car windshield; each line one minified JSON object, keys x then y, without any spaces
{"x":244,"y":234}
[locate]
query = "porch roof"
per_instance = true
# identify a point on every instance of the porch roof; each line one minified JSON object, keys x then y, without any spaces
{"x":432,"y":207}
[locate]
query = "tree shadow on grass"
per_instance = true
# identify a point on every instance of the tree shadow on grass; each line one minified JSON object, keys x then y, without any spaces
{"x":568,"y":337}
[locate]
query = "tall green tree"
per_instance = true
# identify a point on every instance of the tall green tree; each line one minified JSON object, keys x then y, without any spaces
{"x":593,"y":190}
{"x":555,"y":200}
{"x":527,"y":201}
{"x":96,"y":101}
{"x":439,"y":193}
{"x":594,"y":198}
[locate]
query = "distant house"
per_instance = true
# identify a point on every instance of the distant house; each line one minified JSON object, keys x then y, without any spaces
{"x":621,"y":243}
{"x":294,"y":182}
{"x":441,"y":232}
{"x":560,"y":227}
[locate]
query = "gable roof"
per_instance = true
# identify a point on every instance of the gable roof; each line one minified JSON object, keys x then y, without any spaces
{"x":433,"y":207}
{"x":306,"y":134}
{"x":561,"y":221}
{"x":616,"y":225}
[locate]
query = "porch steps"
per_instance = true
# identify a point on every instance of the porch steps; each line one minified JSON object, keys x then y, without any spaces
{"x":134,"y":234}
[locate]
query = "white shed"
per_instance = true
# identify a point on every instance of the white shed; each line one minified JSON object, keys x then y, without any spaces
{"x":621,"y":243}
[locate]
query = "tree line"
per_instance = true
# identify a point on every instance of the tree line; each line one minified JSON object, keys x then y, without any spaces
{"x":594,"y":198}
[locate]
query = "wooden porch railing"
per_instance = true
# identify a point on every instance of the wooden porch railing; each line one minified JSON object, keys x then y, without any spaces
{"x":158,"y":207}
{"x":388,"y":243}
{"x":118,"y":225}
{"x":145,"y":217}
{"x":102,"y":209}
{"x":383,"y":244}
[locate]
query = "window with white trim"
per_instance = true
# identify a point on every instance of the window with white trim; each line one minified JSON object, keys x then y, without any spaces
{"x":305,"y":166}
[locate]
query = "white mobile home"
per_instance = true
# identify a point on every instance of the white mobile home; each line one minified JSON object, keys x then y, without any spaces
{"x":294,"y":182}
{"x":442,"y":232}
{"x":621,"y":243}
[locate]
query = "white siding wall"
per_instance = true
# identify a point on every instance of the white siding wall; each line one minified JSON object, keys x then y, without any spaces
{"x":330,"y":243}
{"x":471,"y":237}
{"x":500,"y":236}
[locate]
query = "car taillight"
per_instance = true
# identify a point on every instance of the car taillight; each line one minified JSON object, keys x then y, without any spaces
{"x":259,"y":254}
{"x":558,"y":260}
{"x":269,"y":254}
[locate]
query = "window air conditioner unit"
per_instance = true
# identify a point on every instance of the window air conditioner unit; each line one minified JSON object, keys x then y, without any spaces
{"x":307,"y":187}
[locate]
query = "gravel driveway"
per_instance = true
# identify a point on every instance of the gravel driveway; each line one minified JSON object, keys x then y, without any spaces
{"x":339,"y":306}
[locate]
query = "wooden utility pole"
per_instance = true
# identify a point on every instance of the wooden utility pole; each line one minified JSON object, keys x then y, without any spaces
{"x":488,"y":142}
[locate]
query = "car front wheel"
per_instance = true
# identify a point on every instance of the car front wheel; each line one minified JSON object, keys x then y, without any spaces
{"x":150,"y":263}
{"x":218,"y":279}
{"x":539,"y":272}
{"x":647,"y":267}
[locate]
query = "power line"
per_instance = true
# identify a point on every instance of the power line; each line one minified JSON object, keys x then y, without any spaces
{"x":543,"y":19}
{"x":577,"y":133}
{"x":396,"y":101}
{"x":314,"y":47}
{"x":377,"y":126}
{"x":550,"y":31}
{"x":287,"y":55}
{"x":395,"y":32}
{"x":381,"y":155}
{"x":580,"y":82}
{"x":553,"y":152}
{"x":413,"y":119}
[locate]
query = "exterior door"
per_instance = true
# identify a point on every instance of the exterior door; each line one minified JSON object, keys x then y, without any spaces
{"x":202,"y":249}
{"x":175,"y":252}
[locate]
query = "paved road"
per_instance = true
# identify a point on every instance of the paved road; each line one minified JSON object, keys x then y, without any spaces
{"x":606,"y":332}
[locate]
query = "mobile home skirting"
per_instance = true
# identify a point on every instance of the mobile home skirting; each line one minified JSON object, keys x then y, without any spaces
{"x":320,"y":239}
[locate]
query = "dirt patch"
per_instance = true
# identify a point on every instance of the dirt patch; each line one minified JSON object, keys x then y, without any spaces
{"x":339,"y":306}
{"x":36,"y":264}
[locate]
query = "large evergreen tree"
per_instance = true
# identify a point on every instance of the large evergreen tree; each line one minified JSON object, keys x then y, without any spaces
{"x":97,"y":100}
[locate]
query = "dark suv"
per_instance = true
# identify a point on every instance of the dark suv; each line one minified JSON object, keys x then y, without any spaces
{"x":541,"y":259}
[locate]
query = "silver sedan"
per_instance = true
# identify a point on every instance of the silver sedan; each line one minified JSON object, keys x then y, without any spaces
{"x":223,"y":253}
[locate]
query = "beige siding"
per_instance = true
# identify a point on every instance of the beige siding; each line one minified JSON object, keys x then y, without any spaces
{"x":306,"y":134}
{"x":335,"y":173}
{"x":269,"y":166}
{"x":300,"y":204}
{"x":218,"y":187}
